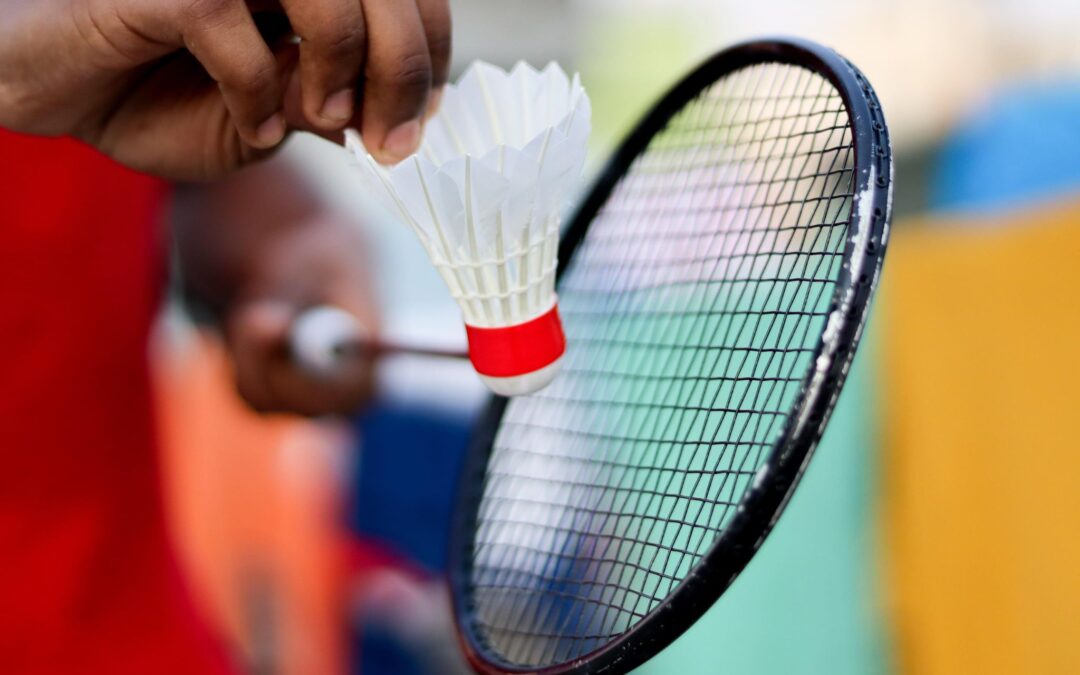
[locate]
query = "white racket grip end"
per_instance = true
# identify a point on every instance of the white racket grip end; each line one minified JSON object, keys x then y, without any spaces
{"x":321,"y":336}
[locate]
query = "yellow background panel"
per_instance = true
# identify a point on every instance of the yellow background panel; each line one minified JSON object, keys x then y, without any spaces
{"x":982,"y":443}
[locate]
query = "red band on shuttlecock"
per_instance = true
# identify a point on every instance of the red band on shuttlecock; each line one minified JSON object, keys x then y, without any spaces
{"x":509,"y":351}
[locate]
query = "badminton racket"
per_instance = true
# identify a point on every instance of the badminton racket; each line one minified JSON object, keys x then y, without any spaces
{"x":713,"y":288}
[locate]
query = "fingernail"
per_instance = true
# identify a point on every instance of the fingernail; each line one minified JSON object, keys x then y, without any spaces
{"x":402,"y":141}
{"x":433,"y":102}
{"x":338,"y":107}
{"x":271,"y":132}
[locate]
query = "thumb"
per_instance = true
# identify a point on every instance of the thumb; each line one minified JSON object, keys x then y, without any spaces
{"x":261,"y":325}
{"x":256,"y":334}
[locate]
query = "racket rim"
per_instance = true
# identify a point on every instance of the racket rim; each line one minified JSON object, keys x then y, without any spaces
{"x":761,"y":506}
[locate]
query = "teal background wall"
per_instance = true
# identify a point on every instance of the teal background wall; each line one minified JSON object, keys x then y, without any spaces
{"x":806,"y":604}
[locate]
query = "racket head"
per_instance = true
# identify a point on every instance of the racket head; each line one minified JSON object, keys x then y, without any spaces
{"x":564,"y":569}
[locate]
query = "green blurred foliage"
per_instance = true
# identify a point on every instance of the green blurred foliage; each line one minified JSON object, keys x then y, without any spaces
{"x":628,"y":60}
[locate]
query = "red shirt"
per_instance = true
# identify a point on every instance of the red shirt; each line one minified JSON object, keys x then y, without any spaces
{"x":88,"y":579}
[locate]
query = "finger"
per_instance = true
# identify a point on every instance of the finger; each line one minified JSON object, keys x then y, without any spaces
{"x":296,"y":390}
{"x":222,"y":35}
{"x":437,"y":27}
{"x":257,"y":336}
{"x":293,"y":106}
{"x":397,"y":79}
{"x":332,"y":48}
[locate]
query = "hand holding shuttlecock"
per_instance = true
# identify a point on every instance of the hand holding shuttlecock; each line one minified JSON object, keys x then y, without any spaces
{"x":485,"y":194}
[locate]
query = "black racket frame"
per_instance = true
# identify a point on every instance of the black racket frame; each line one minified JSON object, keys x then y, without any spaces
{"x":762,"y":504}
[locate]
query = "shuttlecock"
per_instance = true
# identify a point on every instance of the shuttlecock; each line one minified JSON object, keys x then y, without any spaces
{"x":485,"y":194}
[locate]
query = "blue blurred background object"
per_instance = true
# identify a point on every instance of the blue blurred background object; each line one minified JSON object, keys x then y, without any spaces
{"x":1020,"y":147}
{"x":403,"y":491}
{"x":406,"y":478}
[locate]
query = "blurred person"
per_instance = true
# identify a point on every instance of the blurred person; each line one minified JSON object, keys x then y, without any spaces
{"x":181,"y":89}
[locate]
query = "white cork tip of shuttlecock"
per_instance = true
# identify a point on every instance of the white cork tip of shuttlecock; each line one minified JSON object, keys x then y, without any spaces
{"x":485,"y":194}
{"x":523,"y":384}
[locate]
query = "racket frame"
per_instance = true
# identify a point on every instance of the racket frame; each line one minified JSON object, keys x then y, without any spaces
{"x":762,"y":504}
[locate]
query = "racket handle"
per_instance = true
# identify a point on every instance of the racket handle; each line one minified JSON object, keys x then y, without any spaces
{"x":322,"y":337}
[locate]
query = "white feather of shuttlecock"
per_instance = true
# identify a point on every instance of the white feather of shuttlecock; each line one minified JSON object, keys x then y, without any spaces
{"x":486,"y":190}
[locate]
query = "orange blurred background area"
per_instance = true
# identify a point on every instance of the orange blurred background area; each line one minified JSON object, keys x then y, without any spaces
{"x":256,"y":506}
{"x":980,"y":341}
